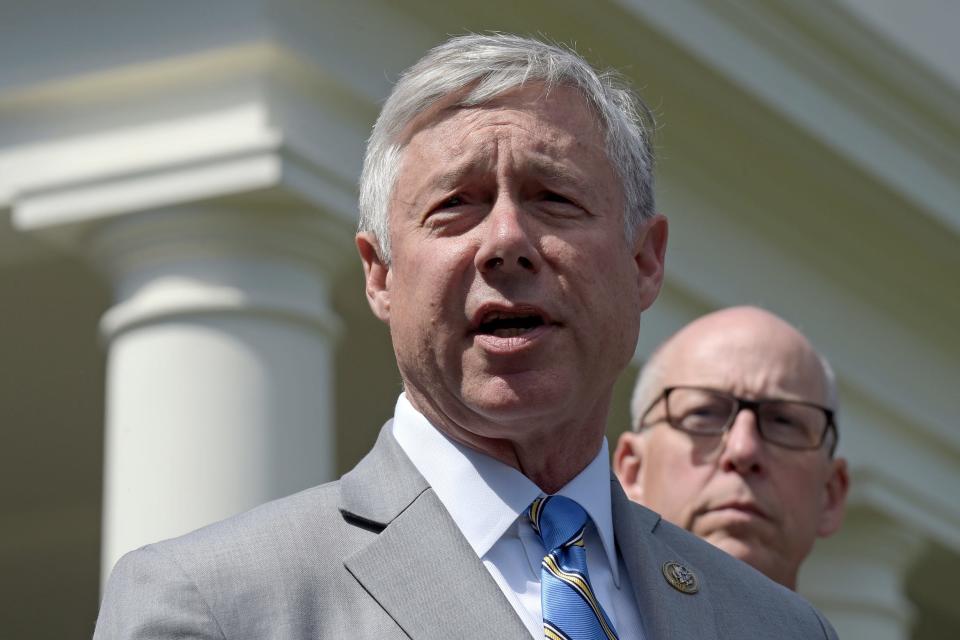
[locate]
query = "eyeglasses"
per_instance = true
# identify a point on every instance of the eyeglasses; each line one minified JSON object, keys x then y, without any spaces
{"x":705,"y":412}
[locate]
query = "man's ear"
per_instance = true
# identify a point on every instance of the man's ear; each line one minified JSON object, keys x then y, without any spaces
{"x":834,"y":498}
{"x":649,"y":252}
{"x":376,"y":272}
{"x":627,"y":458}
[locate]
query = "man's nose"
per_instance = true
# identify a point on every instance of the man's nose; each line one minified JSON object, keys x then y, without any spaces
{"x":507,"y":244}
{"x":742,"y":445}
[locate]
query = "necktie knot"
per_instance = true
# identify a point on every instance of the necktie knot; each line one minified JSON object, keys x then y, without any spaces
{"x":559,"y":521}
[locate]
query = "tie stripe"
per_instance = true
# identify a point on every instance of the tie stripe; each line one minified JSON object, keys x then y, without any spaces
{"x":552,"y":633}
{"x":571,"y":611}
{"x":536,"y":509}
{"x":579,"y":584}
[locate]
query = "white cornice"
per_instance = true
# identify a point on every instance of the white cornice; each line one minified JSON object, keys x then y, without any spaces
{"x":139,"y":168}
{"x":908,"y":504}
{"x":281,"y":124}
{"x":874,"y":107}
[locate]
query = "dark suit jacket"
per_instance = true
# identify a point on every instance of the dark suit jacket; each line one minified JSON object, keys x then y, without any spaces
{"x":376,"y":555}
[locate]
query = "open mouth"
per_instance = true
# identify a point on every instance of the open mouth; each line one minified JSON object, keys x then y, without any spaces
{"x":509,"y":324}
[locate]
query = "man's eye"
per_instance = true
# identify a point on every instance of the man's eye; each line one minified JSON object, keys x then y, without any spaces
{"x":452,"y":201}
{"x":551,"y":196}
{"x":708,"y":411}
{"x":784,"y":420}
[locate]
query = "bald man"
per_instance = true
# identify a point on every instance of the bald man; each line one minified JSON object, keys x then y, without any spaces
{"x":733,"y":439}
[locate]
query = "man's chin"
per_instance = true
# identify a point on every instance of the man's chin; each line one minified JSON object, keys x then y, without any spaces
{"x":520,"y":396}
{"x":514,"y":412}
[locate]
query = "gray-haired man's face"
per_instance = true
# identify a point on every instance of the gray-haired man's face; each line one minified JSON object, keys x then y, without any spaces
{"x":513,"y":297}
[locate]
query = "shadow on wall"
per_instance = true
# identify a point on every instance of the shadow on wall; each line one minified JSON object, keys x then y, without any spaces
{"x":51,"y":414}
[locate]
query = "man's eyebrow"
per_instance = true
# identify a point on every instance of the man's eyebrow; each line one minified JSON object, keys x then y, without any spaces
{"x":444,"y":181}
{"x":553,"y":170}
{"x":453,"y":176}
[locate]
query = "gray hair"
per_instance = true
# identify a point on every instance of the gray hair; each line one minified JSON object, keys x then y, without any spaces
{"x":489,"y":65}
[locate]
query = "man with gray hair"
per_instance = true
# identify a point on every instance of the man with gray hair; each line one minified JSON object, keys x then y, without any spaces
{"x":509,"y":241}
{"x":733,"y":438}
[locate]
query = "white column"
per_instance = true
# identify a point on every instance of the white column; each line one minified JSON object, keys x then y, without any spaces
{"x":856,"y":578}
{"x":219,"y":389}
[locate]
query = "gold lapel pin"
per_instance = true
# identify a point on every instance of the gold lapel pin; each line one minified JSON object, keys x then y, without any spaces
{"x":680,"y":578}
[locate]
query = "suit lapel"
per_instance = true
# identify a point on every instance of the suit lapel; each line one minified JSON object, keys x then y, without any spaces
{"x":665,"y":611}
{"x":420,"y":568}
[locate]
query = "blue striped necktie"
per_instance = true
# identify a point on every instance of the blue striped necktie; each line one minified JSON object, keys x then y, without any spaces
{"x":571,"y":611}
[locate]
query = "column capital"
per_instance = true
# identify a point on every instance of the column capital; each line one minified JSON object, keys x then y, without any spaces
{"x":206,"y":259}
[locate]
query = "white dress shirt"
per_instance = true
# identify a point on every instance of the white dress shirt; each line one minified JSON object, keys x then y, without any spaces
{"x":488,"y":501}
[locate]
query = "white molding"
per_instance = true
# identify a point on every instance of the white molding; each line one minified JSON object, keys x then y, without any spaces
{"x":44,"y":167}
{"x":845,"y":111}
{"x":911,"y":507}
{"x":289,"y":130}
{"x":82,"y":202}
{"x":64,"y":208}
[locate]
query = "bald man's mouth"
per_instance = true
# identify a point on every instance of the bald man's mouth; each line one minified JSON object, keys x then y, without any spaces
{"x":739,"y":508}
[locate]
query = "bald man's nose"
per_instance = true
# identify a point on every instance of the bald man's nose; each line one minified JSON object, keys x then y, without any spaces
{"x":742,"y":445}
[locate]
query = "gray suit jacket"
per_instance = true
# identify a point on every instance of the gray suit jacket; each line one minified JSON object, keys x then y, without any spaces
{"x":376,"y":555}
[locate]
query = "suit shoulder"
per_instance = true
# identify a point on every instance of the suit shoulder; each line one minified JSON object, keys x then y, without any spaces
{"x":147,"y":590}
{"x":239,"y":577}
{"x":268,"y":539}
{"x":284,"y":522}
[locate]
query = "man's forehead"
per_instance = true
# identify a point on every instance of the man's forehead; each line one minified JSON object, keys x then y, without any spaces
{"x":472,"y":139}
{"x":745,"y":359}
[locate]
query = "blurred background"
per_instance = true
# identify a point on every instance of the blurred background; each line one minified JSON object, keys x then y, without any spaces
{"x":184,"y":331}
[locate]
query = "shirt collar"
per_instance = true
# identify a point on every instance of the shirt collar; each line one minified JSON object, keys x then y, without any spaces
{"x":485,"y":496}
{"x":591,"y":490}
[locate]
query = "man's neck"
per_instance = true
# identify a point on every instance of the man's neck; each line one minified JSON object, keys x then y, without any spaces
{"x":549,"y":456}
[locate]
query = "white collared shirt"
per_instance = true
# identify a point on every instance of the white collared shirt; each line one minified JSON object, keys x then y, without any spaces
{"x":488,"y":501}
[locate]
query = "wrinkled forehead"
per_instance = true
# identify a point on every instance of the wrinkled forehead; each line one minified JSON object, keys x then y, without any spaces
{"x":551,"y":136}
{"x":752,"y":363}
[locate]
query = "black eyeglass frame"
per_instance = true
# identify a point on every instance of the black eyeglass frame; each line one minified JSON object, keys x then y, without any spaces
{"x":741,"y":404}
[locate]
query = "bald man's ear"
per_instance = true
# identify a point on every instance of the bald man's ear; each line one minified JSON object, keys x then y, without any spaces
{"x":627,"y":458}
{"x":834,"y":498}
{"x":650,"y":250}
{"x":376,"y":273}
